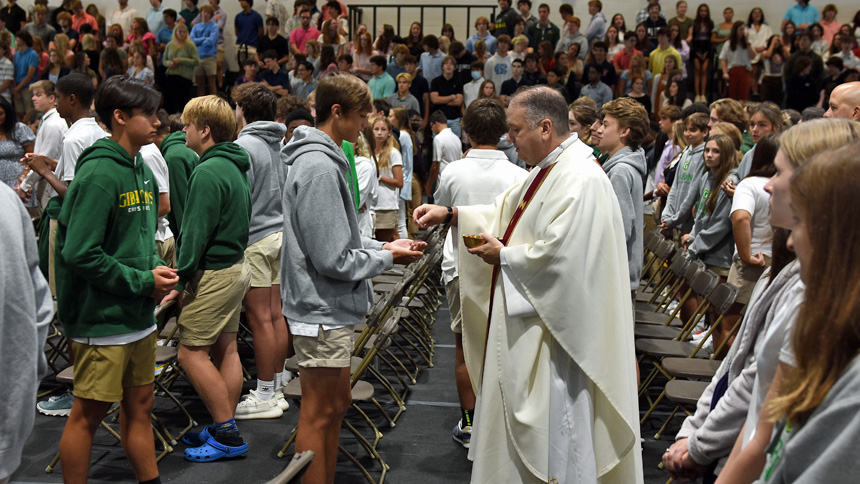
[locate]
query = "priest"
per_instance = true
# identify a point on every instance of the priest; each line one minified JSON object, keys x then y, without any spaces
{"x":549,"y":338}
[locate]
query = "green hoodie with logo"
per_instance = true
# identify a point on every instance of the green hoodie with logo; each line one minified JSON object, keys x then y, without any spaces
{"x":217,"y":214}
{"x":181,"y":161}
{"x":105,"y":248}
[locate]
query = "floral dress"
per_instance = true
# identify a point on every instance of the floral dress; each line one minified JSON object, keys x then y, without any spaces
{"x":11,"y":152}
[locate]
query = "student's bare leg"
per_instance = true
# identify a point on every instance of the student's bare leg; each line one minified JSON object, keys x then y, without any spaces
{"x":386,"y":235}
{"x":211,"y":81}
{"x":77,"y":440}
{"x":258,"y":309}
{"x":136,"y":430}
{"x":461,"y":374}
{"x":325,"y":399}
{"x":283,"y":340}
{"x":208,"y":381}
{"x":226,"y":357}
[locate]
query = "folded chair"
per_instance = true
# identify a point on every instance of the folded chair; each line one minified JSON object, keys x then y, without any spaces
{"x":295,"y":469}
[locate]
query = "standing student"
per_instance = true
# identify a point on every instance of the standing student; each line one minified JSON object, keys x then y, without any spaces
{"x":446,"y":94}
{"x":26,"y":62}
{"x":625,"y":125}
{"x":261,"y":138}
{"x":213,"y":275}
{"x":400,"y":120}
{"x":108,"y":280}
{"x":52,"y":128}
{"x":678,"y":213}
{"x":205,"y":36}
{"x":337,"y":272}
{"x":478,"y":178}
{"x":736,"y":62}
{"x":163,"y":235}
{"x":389,"y":167}
{"x":447,"y":148}
{"x":181,"y":161}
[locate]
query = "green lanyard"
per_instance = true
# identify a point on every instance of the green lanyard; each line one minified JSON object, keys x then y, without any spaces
{"x":346,"y":146}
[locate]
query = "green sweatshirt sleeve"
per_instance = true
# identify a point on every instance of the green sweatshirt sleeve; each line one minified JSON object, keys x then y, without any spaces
{"x":201,"y":217}
{"x":87,"y":213}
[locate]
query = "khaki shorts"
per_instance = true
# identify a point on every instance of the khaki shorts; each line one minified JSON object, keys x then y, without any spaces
{"x":452,"y":292}
{"x":386,"y":219}
{"x":101,"y":372}
{"x":329,"y":349}
{"x":167,"y":251}
{"x":720,"y":271}
{"x":745,"y":277}
{"x":219,"y":54}
{"x":207,"y":67}
{"x":264,"y":259}
{"x":212,"y":303}
{"x":23,"y":101}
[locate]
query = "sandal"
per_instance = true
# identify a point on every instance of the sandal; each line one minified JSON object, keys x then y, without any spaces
{"x":213,"y":450}
{"x":196,"y":439}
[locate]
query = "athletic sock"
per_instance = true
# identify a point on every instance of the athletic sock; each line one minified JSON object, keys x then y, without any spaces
{"x":286,"y":376}
{"x":265,"y":390}
{"x":467,"y":416}
{"x":277,"y":381}
{"x":157,"y":480}
{"x":227,"y":433}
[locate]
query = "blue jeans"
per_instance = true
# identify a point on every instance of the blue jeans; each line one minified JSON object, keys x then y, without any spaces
{"x":454,"y":124}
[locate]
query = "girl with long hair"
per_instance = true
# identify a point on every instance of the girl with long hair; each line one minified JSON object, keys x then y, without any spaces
{"x":581,"y":114}
{"x":789,"y":35}
{"x":638,"y":68}
{"x":643,"y":43}
{"x":82,"y":65}
{"x":389,"y":167}
{"x":16,"y":140}
{"x":702,"y":50}
{"x":819,"y":45}
{"x":362,"y":52}
{"x":676,"y":95}
{"x":613,"y":42}
{"x":620,"y":25}
{"x":55,"y":69}
{"x":546,"y":56}
{"x":415,"y":39}
{"x":331,"y":36}
{"x":383,"y":43}
{"x":736,"y":62}
{"x":140,"y":32}
{"x":64,"y":49}
{"x":637,"y":93}
{"x":410,"y":193}
{"x":181,"y":59}
{"x":758,"y":33}
{"x":138,"y":69}
{"x":775,"y":356}
{"x":39,"y":47}
{"x":680,"y":45}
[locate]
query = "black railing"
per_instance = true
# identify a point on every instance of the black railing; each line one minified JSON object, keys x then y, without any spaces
{"x":357,"y":11}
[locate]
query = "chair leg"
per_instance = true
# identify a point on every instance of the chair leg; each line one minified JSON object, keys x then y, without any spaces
{"x":666,"y":423}
{"x":289,"y":442}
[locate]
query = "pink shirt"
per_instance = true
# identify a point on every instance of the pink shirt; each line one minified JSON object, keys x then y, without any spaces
{"x":85,"y":19}
{"x":299,"y":36}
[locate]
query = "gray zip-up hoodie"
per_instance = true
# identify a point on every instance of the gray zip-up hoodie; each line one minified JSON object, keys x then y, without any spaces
{"x":262,"y":141}
{"x":326,"y":265}
{"x":26,"y":310}
{"x":626,"y":169}
{"x":678,"y":213}
{"x":711,"y":239}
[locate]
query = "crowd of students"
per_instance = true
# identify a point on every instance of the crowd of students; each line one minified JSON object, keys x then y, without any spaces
{"x":223,"y":200}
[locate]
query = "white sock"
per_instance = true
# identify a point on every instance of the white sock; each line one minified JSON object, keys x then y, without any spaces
{"x":286,"y":376}
{"x":277,"y":381}
{"x":265,"y":390}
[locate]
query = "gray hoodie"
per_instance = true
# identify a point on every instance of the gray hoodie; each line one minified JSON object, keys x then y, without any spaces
{"x":326,"y":265}
{"x":711,"y":239}
{"x":678,"y":213}
{"x":262,"y":141}
{"x":626,"y":169}
{"x":26,"y":310}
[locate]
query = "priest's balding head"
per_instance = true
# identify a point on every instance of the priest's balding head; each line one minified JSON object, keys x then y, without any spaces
{"x":845,"y":102}
{"x":537,"y":117}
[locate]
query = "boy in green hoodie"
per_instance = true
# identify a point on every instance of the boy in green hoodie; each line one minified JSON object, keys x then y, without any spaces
{"x":213,"y":273}
{"x":108,"y":278}
{"x":181,"y":161}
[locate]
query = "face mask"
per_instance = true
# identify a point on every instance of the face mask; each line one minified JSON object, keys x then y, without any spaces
{"x":415,"y":125}
{"x":476,"y":75}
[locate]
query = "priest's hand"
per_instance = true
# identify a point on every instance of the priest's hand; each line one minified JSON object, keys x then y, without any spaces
{"x":406,"y":251}
{"x":428,"y":215}
{"x":489,"y":252}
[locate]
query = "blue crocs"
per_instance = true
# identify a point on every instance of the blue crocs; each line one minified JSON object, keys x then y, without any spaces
{"x":196,"y":439}
{"x":213,"y":450}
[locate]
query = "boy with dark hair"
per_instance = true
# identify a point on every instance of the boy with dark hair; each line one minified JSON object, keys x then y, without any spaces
{"x":272,"y":40}
{"x":213,"y":276}
{"x":261,"y":138}
{"x":516,"y":81}
{"x":108,"y":279}
{"x":273,"y":76}
{"x":625,"y":126}
{"x":303,"y":83}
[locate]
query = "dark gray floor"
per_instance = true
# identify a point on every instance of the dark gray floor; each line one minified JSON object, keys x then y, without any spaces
{"x":418,"y":450}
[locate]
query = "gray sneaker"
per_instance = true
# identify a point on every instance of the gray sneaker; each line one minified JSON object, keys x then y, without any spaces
{"x":58,"y":405}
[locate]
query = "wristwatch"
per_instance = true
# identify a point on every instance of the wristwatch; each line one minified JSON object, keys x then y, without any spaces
{"x":450,"y":214}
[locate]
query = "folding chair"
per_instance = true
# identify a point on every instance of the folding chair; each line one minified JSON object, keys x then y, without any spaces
{"x":295,"y":469}
{"x":650,"y":324}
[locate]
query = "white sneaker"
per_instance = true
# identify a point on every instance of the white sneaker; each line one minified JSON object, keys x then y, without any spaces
{"x":251,"y":407}
{"x":282,"y":402}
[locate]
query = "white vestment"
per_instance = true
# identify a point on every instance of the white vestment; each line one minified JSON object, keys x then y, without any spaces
{"x":557,"y":402}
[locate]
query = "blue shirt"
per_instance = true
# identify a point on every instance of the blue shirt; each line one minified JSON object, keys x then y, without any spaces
{"x":802,"y":15}
{"x":280,"y":78}
{"x":489,"y":40}
{"x":205,"y":37}
{"x":164,"y":36}
{"x":431,"y":65}
{"x":22,"y":61}
{"x":248,"y":27}
{"x":155,"y":18}
{"x":382,"y":86}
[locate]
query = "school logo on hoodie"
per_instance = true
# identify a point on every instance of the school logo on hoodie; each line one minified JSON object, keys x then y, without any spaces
{"x":137,"y":200}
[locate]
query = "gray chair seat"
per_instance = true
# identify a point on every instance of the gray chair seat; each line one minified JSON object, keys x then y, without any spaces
{"x":685,"y":392}
{"x":659,"y":348}
{"x":655,"y":331}
{"x":692,"y":368}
